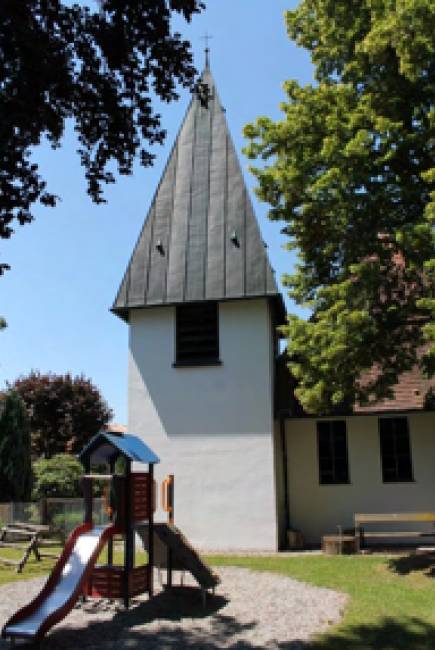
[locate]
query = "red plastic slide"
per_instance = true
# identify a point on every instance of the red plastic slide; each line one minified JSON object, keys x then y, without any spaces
{"x":63,"y":587}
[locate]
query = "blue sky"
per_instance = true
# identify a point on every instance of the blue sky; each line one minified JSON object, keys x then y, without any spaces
{"x":68,"y":264}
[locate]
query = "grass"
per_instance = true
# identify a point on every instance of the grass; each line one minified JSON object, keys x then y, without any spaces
{"x":32,"y":569}
{"x":391,"y":599}
{"x":35,"y":569}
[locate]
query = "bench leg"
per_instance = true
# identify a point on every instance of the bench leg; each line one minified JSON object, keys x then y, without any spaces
{"x":361,"y":538}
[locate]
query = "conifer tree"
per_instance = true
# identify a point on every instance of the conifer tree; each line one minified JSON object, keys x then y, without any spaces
{"x":15,"y":460}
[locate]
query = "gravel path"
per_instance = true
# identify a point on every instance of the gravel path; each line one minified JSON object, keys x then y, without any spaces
{"x":250,"y":610}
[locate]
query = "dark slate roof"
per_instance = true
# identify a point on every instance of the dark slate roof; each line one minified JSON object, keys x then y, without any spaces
{"x":105,"y":446}
{"x":200,"y":240}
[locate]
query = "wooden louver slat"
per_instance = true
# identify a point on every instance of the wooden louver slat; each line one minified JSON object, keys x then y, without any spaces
{"x":197,"y":333}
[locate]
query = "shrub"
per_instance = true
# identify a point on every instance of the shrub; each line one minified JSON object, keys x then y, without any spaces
{"x":57,"y":477}
{"x":63,"y":523}
{"x":15,"y":463}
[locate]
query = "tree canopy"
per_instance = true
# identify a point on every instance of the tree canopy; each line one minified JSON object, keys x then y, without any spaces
{"x":101,"y":67}
{"x":64,"y":412}
{"x":350,"y":169}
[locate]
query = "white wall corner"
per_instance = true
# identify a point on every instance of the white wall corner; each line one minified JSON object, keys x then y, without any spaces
{"x":211,"y":426}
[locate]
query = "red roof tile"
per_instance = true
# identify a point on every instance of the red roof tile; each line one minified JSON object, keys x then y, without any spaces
{"x":409,"y":393}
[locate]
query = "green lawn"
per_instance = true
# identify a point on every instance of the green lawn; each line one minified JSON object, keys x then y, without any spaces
{"x":391,"y":604}
{"x":33,"y":568}
{"x":391,"y":599}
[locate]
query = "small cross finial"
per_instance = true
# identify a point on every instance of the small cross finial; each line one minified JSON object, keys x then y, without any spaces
{"x":206,"y":38}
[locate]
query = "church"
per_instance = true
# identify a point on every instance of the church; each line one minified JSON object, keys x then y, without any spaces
{"x":207,"y":387}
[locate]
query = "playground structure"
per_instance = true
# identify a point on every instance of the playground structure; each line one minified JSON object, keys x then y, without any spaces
{"x":131,"y":504}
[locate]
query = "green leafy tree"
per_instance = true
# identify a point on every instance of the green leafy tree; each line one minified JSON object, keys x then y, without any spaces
{"x":350,"y":169}
{"x":100,"y":66}
{"x":57,"y":477}
{"x":64,"y":411}
{"x":15,"y":463}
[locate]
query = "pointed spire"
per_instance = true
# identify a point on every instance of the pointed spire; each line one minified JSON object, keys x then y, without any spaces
{"x":200,"y":240}
{"x":207,"y":37}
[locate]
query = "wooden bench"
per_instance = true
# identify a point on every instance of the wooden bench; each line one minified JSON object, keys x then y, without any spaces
{"x":28,"y":538}
{"x":361,"y":520}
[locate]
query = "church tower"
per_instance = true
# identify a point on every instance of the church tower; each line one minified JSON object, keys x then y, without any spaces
{"x":202,"y":306}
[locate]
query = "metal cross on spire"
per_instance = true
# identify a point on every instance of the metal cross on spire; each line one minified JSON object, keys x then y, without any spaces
{"x":206,"y":38}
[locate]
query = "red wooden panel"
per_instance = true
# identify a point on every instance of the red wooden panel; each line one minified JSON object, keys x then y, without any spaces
{"x":140,"y":496}
{"x":106,"y":582}
{"x":138,"y":581}
{"x":138,"y":501}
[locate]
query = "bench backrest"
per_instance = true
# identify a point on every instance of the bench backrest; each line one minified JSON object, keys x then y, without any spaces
{"x":392,"y":517}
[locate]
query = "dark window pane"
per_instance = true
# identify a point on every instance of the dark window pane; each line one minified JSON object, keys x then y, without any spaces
{"x":404,"y":470}
{"x":387,"y":427}
{"x":401,"y":426}
{"x":339,"y":428}
{"x":340,"y":445}
{"x":323,"y":428}
{"x":324,"y":445}
{"x":395,"y":450}
{"x":387,"y":442}
{"x":332,"y":452}
{"x":326,"y":465}
{"x":389,"y":475}
{"x":390,"y":463}
{"x":402,"y":443}
{"x":341,"y":473}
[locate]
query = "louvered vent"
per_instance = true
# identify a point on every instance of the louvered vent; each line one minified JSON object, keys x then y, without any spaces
{"x":197,"y":334}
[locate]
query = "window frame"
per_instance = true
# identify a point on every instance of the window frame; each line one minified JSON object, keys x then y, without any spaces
{"x":398,"y":479}
{"x":331,"y":443}
{"x":183,"y":361}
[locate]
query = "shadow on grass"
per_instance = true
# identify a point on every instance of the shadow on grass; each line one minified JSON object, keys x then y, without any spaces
{"x":410,"y":634}
{"x":409,"y":563}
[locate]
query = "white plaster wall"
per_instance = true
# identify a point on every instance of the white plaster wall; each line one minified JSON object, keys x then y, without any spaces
{"x":211,"y":426}
{"x":317,"y":509}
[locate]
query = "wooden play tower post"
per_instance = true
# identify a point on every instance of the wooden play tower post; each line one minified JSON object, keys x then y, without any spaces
{"x":151,"y":530}
{"x":168,"y":507}
{"x":130,"y":529}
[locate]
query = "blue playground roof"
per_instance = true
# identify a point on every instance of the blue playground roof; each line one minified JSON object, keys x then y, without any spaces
{"x":105,"y":446}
